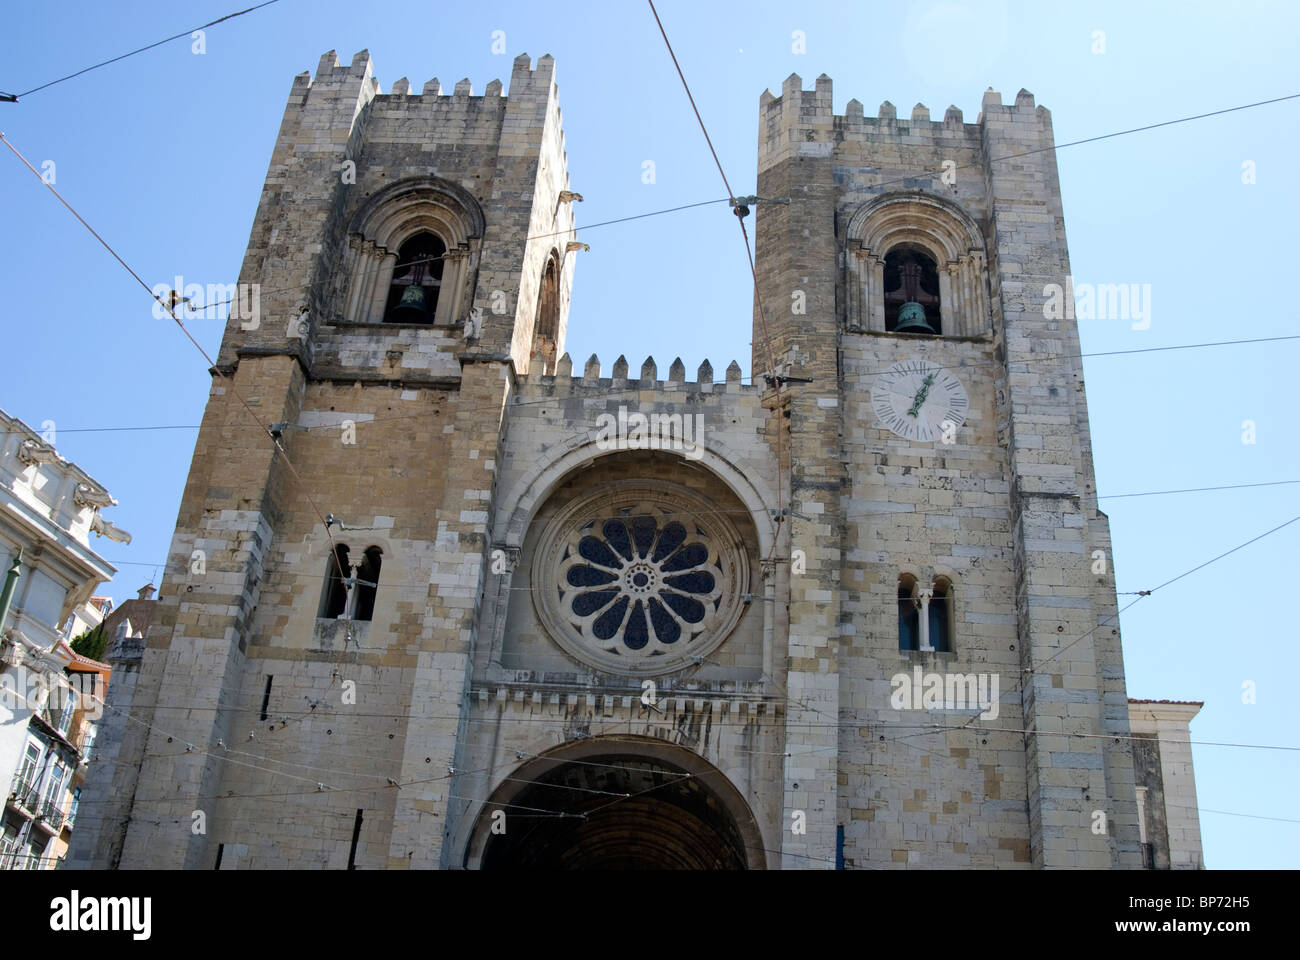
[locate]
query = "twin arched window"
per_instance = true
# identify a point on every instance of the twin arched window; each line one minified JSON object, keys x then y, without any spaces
{"x":351,"y":584}
{"x":925,"y":615}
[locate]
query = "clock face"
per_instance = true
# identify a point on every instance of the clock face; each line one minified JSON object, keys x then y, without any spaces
{"x":914,"y":398}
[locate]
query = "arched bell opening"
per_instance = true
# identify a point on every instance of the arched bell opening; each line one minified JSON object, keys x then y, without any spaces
{"x":417,"y":280}
{"x":912,"y":303}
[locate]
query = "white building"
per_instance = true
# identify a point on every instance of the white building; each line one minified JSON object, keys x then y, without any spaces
{"x":48,"y":509}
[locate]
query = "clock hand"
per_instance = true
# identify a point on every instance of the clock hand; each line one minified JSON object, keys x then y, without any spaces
{"x":921,"y":395}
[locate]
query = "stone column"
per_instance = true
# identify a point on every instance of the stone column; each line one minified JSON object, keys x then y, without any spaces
{"x":455,"y":267}
{"x":924,"y":595}
{"x":379,"y":292}
{"x":876,"y":295}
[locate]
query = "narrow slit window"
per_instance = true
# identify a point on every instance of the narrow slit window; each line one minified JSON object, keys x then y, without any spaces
{"x":334,"y":599}
{"x":368,"y":583}
{"x":356,"y":838}
{"x":909,"y":628}
{"x":941,"y":616}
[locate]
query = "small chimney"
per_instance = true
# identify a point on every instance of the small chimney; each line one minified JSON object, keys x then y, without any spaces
{"x":146,"y":592}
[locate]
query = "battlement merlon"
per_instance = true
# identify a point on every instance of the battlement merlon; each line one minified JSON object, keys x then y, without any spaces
{"x":620,"y":377}
{"x":333,"y":79}
{"x":328,"y":120}
{"x":525,"y":83}
{"x":800,"y":122}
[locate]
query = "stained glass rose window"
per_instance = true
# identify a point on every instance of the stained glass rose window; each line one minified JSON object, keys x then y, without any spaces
{"x":642,"y":586}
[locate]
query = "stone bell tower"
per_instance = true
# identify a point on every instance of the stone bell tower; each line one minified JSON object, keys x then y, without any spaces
{"x":919,"y":248}
{"x":410,"y":257}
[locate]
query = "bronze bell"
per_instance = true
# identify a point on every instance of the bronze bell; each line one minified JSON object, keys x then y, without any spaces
{"x":911,"y":319}
{"x":412,"y":308}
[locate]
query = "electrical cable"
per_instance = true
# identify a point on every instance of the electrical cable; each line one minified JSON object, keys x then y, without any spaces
{"x":104,"y":63}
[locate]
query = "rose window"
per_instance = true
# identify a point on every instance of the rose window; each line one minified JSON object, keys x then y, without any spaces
{"x":640,"y":586}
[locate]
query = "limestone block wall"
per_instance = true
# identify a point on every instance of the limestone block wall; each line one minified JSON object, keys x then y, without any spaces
{"x":281,"y":728}
{"x":740,"y":734}
{"x":112,"y":776}
{"x":1173,"y":818}
{"x":528,"y":694}
{"x":438,"y":445}
{"x":319,"y":742}
{"x":947,"y":798}
{"x":342,"y":146}
{"x":1008,"y":512}
{"x":555,"y":453}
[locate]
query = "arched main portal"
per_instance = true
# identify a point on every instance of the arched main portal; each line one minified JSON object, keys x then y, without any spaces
{"x":616,"y":805}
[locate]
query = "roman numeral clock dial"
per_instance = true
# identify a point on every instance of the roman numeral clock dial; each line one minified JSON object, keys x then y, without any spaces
{"x":914,"y":398}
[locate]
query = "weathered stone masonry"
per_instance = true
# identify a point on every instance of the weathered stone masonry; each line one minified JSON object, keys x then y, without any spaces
{"x":471,"y":455}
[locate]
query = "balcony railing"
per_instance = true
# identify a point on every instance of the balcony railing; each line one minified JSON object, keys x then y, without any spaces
{"x":28,"y":861}
{"x":23,"y":793}
{"x":52,"y":813}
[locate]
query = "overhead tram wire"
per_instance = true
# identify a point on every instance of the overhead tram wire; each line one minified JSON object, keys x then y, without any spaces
{"x":14,"y":98}
{"x":1113,"y":619}
{"x":1252,"y":816}
{"x":392,"y":783}
{"x":181,"y":324}
{"x":1084,"y":140}
{"x":487,"y":802}
{"x":887,"y":183}
{"x":722,"y":383}
{"x":540,"y":236}
{"x":928,"y":728}
{"x":749,"y":254}
{"x":744,"y":231}
{"x":1105,"y":736}
{"x":1161,"y":493}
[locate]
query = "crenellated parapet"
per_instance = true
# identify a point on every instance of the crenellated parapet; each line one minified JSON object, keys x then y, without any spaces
{"x":620,"y":377}
{"x":802,"y":122}
{"x":356,"y":173}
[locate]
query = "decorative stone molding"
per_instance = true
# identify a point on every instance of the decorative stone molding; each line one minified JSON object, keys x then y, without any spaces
{"x":105,"y":528}
{"x":85,"y":496}
{"x":507,"y":554}
{"x":641,"y":579}
{"x":32,"y":453}
{"x":939,"y":228}
{"x":389,"y":219}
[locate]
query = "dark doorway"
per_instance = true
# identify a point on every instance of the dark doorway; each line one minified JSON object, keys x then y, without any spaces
{"x":613,"y":812}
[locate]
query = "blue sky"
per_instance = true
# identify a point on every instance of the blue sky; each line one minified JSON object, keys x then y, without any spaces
{"x":165,"y":153}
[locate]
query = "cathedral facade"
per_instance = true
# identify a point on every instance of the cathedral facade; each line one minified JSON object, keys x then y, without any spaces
{"x":441,"y":596}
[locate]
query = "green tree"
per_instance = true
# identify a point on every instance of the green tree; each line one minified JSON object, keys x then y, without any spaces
{"x":91,"y":643}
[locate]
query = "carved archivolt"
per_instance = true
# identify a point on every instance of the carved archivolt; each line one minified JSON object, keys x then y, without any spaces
{"x":939,"y":228}
{"x":641,"y":579}
{"x":389,"y":219}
